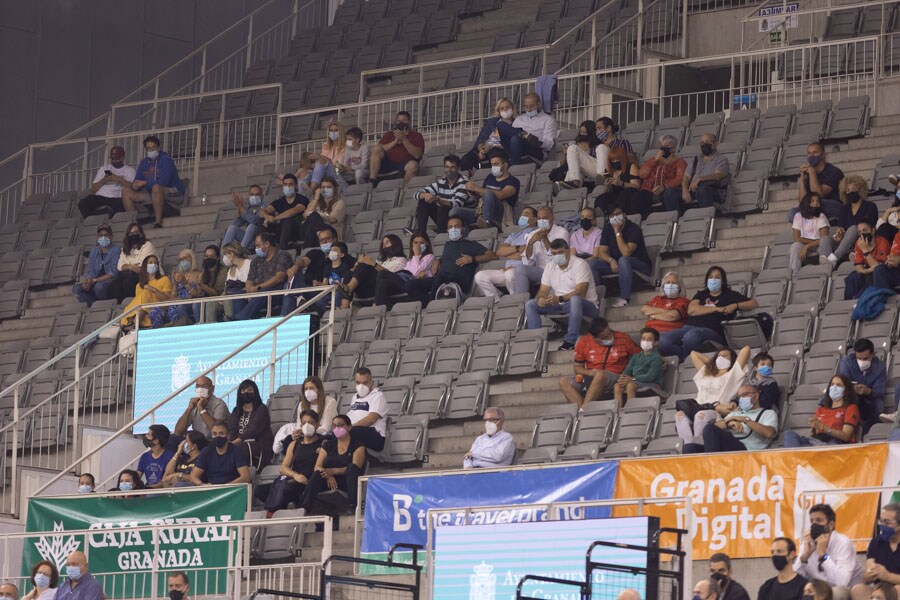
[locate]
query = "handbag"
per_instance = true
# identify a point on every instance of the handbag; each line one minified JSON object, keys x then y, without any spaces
{"x":690,"y":407}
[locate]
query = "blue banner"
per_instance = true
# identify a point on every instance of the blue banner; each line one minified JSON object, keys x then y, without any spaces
{"x":396,"y":507}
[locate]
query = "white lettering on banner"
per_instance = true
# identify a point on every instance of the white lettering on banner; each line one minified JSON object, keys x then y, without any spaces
{"x":402,"y":518}
{"x":167,"y":559}
{"x":120,"y":535}
{"x":743,"y":523}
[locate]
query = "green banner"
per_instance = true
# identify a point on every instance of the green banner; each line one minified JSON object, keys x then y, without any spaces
{"x":123,"y":559}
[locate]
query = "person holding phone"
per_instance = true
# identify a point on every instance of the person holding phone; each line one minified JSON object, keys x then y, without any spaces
{"x":106,"y":191}
{"x":398,"y":151}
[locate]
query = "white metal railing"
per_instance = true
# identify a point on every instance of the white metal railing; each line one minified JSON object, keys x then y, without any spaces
{"x":807,"y":498}
{"x":49,"y":424}
{"x":242,"y":578}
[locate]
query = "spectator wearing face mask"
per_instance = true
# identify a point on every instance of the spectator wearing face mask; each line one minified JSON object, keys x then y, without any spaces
{"x":811,"y":232}
{"x":333,"y":148}
{"x":443,"y":195}
{"x":870,"y":252}
{"x":221,"y":462}
{"x":706,"y":589}
{"x":297,"y":466}
{"x":835,"y":421}
{"x":152,"y":287}
{"x":419,"y":265}
{"x":339,"y":464}
{"x":536,"y":255}
{"x":135,"y":249}
{"x":9,"y":591}
{"x":622,"y":182}
{"x":538,"y":132}
{"x":667,"y":311}
{"x":204,"y":409}
{"x":248,"y":221}
{"x":327,"y":207}
{"x":787,"y":583}
{"x":128,"y":481}
{"x":315,"y":398}
{"x":720,"y":572}
{"x":661,"y":176}
{"x":106,"y":190}
{"x":45,"y":578}
{"x":828,"y":554}
{"x":499,"y":189}
{"x":368,"y":412}
{"x":155,"y":176}
{"x":496,"y":132}
{"x":398,"y":150}
{"x":268,"y":271}
{"x":86,"y":483}
{"x":80,"y":584}
{"x":212,"y":282}
{"x":882,"y":559}
{"x":98,"y":282}
{"x":868,"y":374}
{"x":622,"y":252}
{"x":820,"y":177}
{"x":887,"y":275}
{"x":236,"y":260}
{"x":747,"y":427}
{"x":856,"y":209}
{"x":250,"y":425}
{"x":644,"y":372}
{"x":761,"y":377}
{"x":368,"y":270}
{"x":494,"y":447}
{"x":580,"y":160}
{"x":152,"y":464}
{"x":888,"y":225}
{"x":817,"y":589}
{"x":353,"y":166}
{"x":179,"y":585}
{"x":178,"y":470}
{"x":608,"y":139}
{"x":585,"y":241}
{"x":336,"y":272}
{"x":283,"y":215}
{"x":707,"y":176}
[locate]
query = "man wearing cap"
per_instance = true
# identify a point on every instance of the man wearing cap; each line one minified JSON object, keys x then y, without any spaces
{"x":97,"y":281}
{"x":106,"y":191}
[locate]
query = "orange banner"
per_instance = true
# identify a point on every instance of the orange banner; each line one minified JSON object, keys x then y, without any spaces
{"x":741,"y":501}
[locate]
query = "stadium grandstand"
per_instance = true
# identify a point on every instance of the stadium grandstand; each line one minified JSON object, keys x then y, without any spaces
{"x":465,"y":299}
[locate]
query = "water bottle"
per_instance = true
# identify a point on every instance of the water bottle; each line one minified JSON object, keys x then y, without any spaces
{"x":203,"y":200}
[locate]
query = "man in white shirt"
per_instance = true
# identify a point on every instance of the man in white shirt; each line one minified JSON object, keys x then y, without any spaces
{"x":567,"y":287}
{"x":106,"y":191}
{"x":747,"y":427}
{"x":494,"y":447}
{"x":536,"y":254}
{"x":539,"y":132}
{"x":827,"y":554}
{"x":368,"y":412}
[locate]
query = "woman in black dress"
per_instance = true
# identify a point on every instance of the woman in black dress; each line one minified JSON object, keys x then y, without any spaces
{"x":338,"y":466}
{"x":297,"y":466}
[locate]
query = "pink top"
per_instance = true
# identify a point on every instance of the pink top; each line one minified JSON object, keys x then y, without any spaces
{"x":335,"y":154}
{"x":585,"y":244}
{"x":419,"y":264}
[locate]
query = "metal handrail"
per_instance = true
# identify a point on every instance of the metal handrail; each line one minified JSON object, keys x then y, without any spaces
{"x":249,"y":88}
{"x":320,"y":293}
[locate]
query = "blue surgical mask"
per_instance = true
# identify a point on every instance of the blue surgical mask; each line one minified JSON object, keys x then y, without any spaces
{"x":333,"y":135}
{"x":184,"y":265}
{"x":153,"y":154}
{"x":745,"y":403}
{"x":185,"y":448}
{"x":523,"y":222}
{"x":423,"y":248}
{"x":714,"y":285}
{"x":255,"y":200}
{"x":765,"y":371}
{"x":544,"y":224}
{"x":608,"y":342}
{"x":85,"y":489}
{"x":559,"y":259}
{"x":885,"y":532}
{"x":103,"y":242}
{"x":288,"y":190}
{"x":152,"y":268}
{"x":325,"y":247}
{"x":260,"y":252}
{"x":454,"y":233}
{"x":531,"y":113}
{"x":835,"y":392}
{"x":327,"y":193}
{"x":670,"y":289}
{"x":616,"y":220}
{"x":74,"y":572}
{"x":41,"y":580}
{"x":124,"y":486}
{"x":897,"y":193}
{"x":496,"y":171}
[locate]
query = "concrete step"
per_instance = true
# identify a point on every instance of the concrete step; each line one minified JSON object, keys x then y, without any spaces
{"x":35,"y":324}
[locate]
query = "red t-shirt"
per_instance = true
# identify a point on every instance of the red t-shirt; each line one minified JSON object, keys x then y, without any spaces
{"x":680,"y":304}
{"x":882,"y":248}
{"x":836,"y":418}
{"x":895,"y":247}
{"x":399,"y":155}
{"x":606,"y":358}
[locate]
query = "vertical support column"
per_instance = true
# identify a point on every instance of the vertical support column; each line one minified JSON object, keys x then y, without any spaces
{"x":272,"y":358}
{"x":14,"y":491}
{"x":640,"y":32}
{"x":76,"y":403}
{"x":684,"y":28}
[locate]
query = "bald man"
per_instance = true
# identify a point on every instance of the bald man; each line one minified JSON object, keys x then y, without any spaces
{"x":202,"y":411}
{"x":629,"y":594}
{"x":706,"y":590}
{"x":9,"y":590}
{"x":79,"y":583}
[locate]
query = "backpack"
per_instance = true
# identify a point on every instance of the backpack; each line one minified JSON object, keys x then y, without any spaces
{"x":450,"y":291}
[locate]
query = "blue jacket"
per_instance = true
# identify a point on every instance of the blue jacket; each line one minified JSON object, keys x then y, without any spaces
{"x":870,"y":304}
{"x":103,"y":264}
{"x":486,"y":130}
{"x":547,"y":90}
{"x":161,"y":171}
{"x":874,"y":378}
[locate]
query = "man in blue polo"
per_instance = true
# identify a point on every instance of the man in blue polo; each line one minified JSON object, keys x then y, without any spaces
{"x":79,"y":583}
{"x":154,"y":178}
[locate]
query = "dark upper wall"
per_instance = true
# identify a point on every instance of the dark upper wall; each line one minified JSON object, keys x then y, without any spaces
{"x":65,"y":61}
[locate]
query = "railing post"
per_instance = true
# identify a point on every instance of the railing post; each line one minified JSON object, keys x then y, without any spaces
{"x":14,"y":491}
{"x":202,"y":86}
{"x":272,"y":358}
{"x":198,"y":130}
{"x":26,"y":174}
{"x":329,"y":344}
{"x":84,"y":164}
{"x":221,"y":144}
{"x":76,"y":402}
{"x":249,"y":59}
{"x":684,"y":28}
{"x":876,"y":75}
{"x":296,"y":14}
{"x":155,"y":103}
{"x":640,"y":33}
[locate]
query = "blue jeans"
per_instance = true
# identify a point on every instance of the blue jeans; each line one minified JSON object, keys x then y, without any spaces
{"x":681,"y":342}
{"x":99,"y":291}
{"x":518,"y":148}
{"x":671,"y":199}
{"x":855,"y":283}
{"x":577,"y":307}
{"x":886,"y":278}
{"x":321,"y":171}
{"x":792,"y":439}
{"x":247,"y":232}
{"x":491,"y":210}
{"x":248,"y":309}
{"x":627,"y":266}
{"x":707,"y":195}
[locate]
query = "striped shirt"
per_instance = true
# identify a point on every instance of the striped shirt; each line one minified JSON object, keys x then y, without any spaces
{"x":455,"y":194}
{"x":621,"y":142}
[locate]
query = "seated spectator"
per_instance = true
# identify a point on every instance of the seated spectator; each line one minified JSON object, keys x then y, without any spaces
{"x":248,"y":221}
{"x":336,"y":273}
{"x":601,"y":355}
{"x":855,"y":209}
{"x":495,"y":133}
{"x":870,"y":252}
{"x":884,"y":591}
{"x":178,"y":470}
{"x":888,"y":225}
{"x":367,"y":271}
{"x":368,"y":412}
{"x":720,"y":572}
{"x":811,"y":232}
{"x":314,"y":264}
{"x":868,"y":373}
{"x":538,"y":132}
{"x":297,"y":466}
{"x":152,"y":464}
{"x":622,"y":252}
{"x":887,"y":275}
{"x":581,"y":159}
{"x":339,"y":463}
{"x":787,"y":583}
{"x":882,"y":558}
{"x":747,"y":427}
{"x":282,"y":216}
{"x":707,"y":177}
{"x":237,"y":262}
{"x":511,"y":249}
{"x":333,"y":147}
{"x":98,"y":282}
{"x":820,"y":177}
{"x":706,"y":589}
{"x":707,"y":311}
{"x":622,"y":182}
{"x":185,"y":279}
{"x":86,"y":483}
{"x":457,"y":264}
{"x":80,"y":584}
{"x":585,"y":241}
{"x":567,"y":288}
{"x":353,"y":166}
{"x":661,"y":176}
{"x":536,"y":256}
{"x":304,"y":174}
{"x":644,"y":372}
{"x":204,"y":409}
{"x":156,"y":176}
{"x":817,"y":589}
{"x":494,"y":447}
{"x":211,"y":282}
{"x":249,"y":427}
{"x":398,"y":150}
{"x":128,"y":481}
{"x":221,"y":462}
{"x":9,"y":590}
{"x":668,"y":310}
{"x":106,"y":190}
{"x":45,"y":578}
{"x":417,"y":267}
{"x":443,"y":195}
{"x":835,"y":421}
{"x":608,"y":139}
{"x":761,"y":377}
{"x":152,"y":287}
{"x":500,"y":189}
{"x":315,"y":398}
{"x":828,"y":554}
{"x":135,"y":250}
{"x":268,"y":271}
{"x":327,"y":207}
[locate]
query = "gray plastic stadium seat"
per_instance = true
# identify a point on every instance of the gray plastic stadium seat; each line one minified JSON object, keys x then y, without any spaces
{"x":569,"y":202}
{"x":452,"y":355}
{"x":64,"y":266}
{"x":794,"y":152}
{"x":747,"y":193}
{"x":282,"y":541}
{"x":10,"y":239}
{"x":879,"y":432}
{"x":885,"y":168}
{"x":33,"y":239}
{"x":38,"y":266}
{"x":834,"y":325}
{"x":808,"y":289}
{"x":13,"y":298}
{"x":735,"y":155}
{"x":402,"y":321}
{"x":508,"y":40}
{"x":550,"y":10}
{"x":794,"y":326}
{"x":527,"y":352}
{"x":489,"y":353}
{"x":596,"y":425}
{"x":32,"y":210}
{"x":437,"y":319}
{"x":509,"y":313}
{"x":407,"y":438}
{"x":850,"y":118}
{"x":343,"y":362}
{"x":10,"y":265}
{"x":770,"y":289}
{"x":342,"y":318}
{"x":431,"y":396}
{"x":813,"y":118}
{"x":283,"y":405}
{"x":538,"y":456}
{"x":777,"y":122}
{"x":580,"y":452}
{"x":366,"y":226}
{"x":474,"y":315}
{"x":695,"y":230}
{"x":486,"y":237}
{"x":764,"y":155}
{"x":663,"y":447}
{"x":367,"y":324}
{"x":285,"y":69}
{"x":626,"y":449}
{"x":706,"y":123}
{"x":67,"y":321}
{"x":745,"y":331}
{"x":554,"y":427}
{"x":381,"y":358}
{"x":884,"y":325}
{"x":468,"y":395}
{"x":818,"y":368}
{"x":659,"y":228}
{"x":398,"y":392}
{"x":674,"y":126}
{"x":842,"y":24}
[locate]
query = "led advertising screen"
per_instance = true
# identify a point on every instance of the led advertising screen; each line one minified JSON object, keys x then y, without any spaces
{"x":487,"y":561}
{"x":170,"y":357}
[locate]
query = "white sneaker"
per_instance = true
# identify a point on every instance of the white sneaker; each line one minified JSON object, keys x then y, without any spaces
{"x":620,"y":302}
{"x":832,"y":259}
{"x":887,"y":417}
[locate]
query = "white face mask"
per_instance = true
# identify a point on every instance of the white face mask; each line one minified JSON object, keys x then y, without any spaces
{"x":202,"y":392}
{"x":350,"y":143}
{"x":307,"y":429}
{"x":863,"y":364}
{"x":722,"y":362}
{"x":490,"y":427}
{"x":362,"y":390}
{"x":226,"y":260}
{"x":506,"y":114}
{"x":646,"y":346}
{"x":332,"y":256}
{"x":311,"y":395}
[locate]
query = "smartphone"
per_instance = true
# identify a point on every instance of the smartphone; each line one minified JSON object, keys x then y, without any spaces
{"x":108,"y":172}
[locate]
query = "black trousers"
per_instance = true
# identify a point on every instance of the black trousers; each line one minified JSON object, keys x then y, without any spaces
{"x":388,"y":284}
{"x":349,"y":482}
{"x":369,"y":436}
{"x":436,"y":212}
{"x":286,"y":231}
{"x":282,"y":492}
{"x":365,"y":276}
{"x":92,"y":203}
{"x":424,"y":290}
{"x":124,"y":285}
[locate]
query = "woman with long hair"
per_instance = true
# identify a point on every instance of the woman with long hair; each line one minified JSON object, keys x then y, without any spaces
{"x":836,"y":418}
{"x":135,"y":248}
{"x":495,"y":133}
{"x":811,"y":232}
{"x":152,"y":287}
{"x":327,"y":207}
{"x":621,"y":182}
{"x":367,"y":270}
{"x":250,"y":425}
{"x":211,"y":283}
{"x":236,"y":261}
{"x":178,"y":471}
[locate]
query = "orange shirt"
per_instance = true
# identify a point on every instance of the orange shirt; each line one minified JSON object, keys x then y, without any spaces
{"x":882,"y":249}
{"x":836,"y":418}
{"x":606,"y":358}
{"x":895,"y":247}
{"x":680,"y":304}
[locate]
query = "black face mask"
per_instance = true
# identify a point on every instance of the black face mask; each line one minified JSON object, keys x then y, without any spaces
{"x":615,"y":164}
{"x":815,"y":530}
{"x":148,"y":443}
{"x":779,"y":562}
{"x":586,"y":224}
{"x":176,"y":595}
{"x":706,"y":149}
{"x":853,"y":197}
{"x":117,"y":164}
{"x":866,"y":236}
{"x":247,"y":398}
{"x":219,"y":442}
{"x":813,"y":212}
{"x":720,"y":578}
{"x":210,"y":263}
{"x":135,"y":238}
{"x":583,"y":139}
